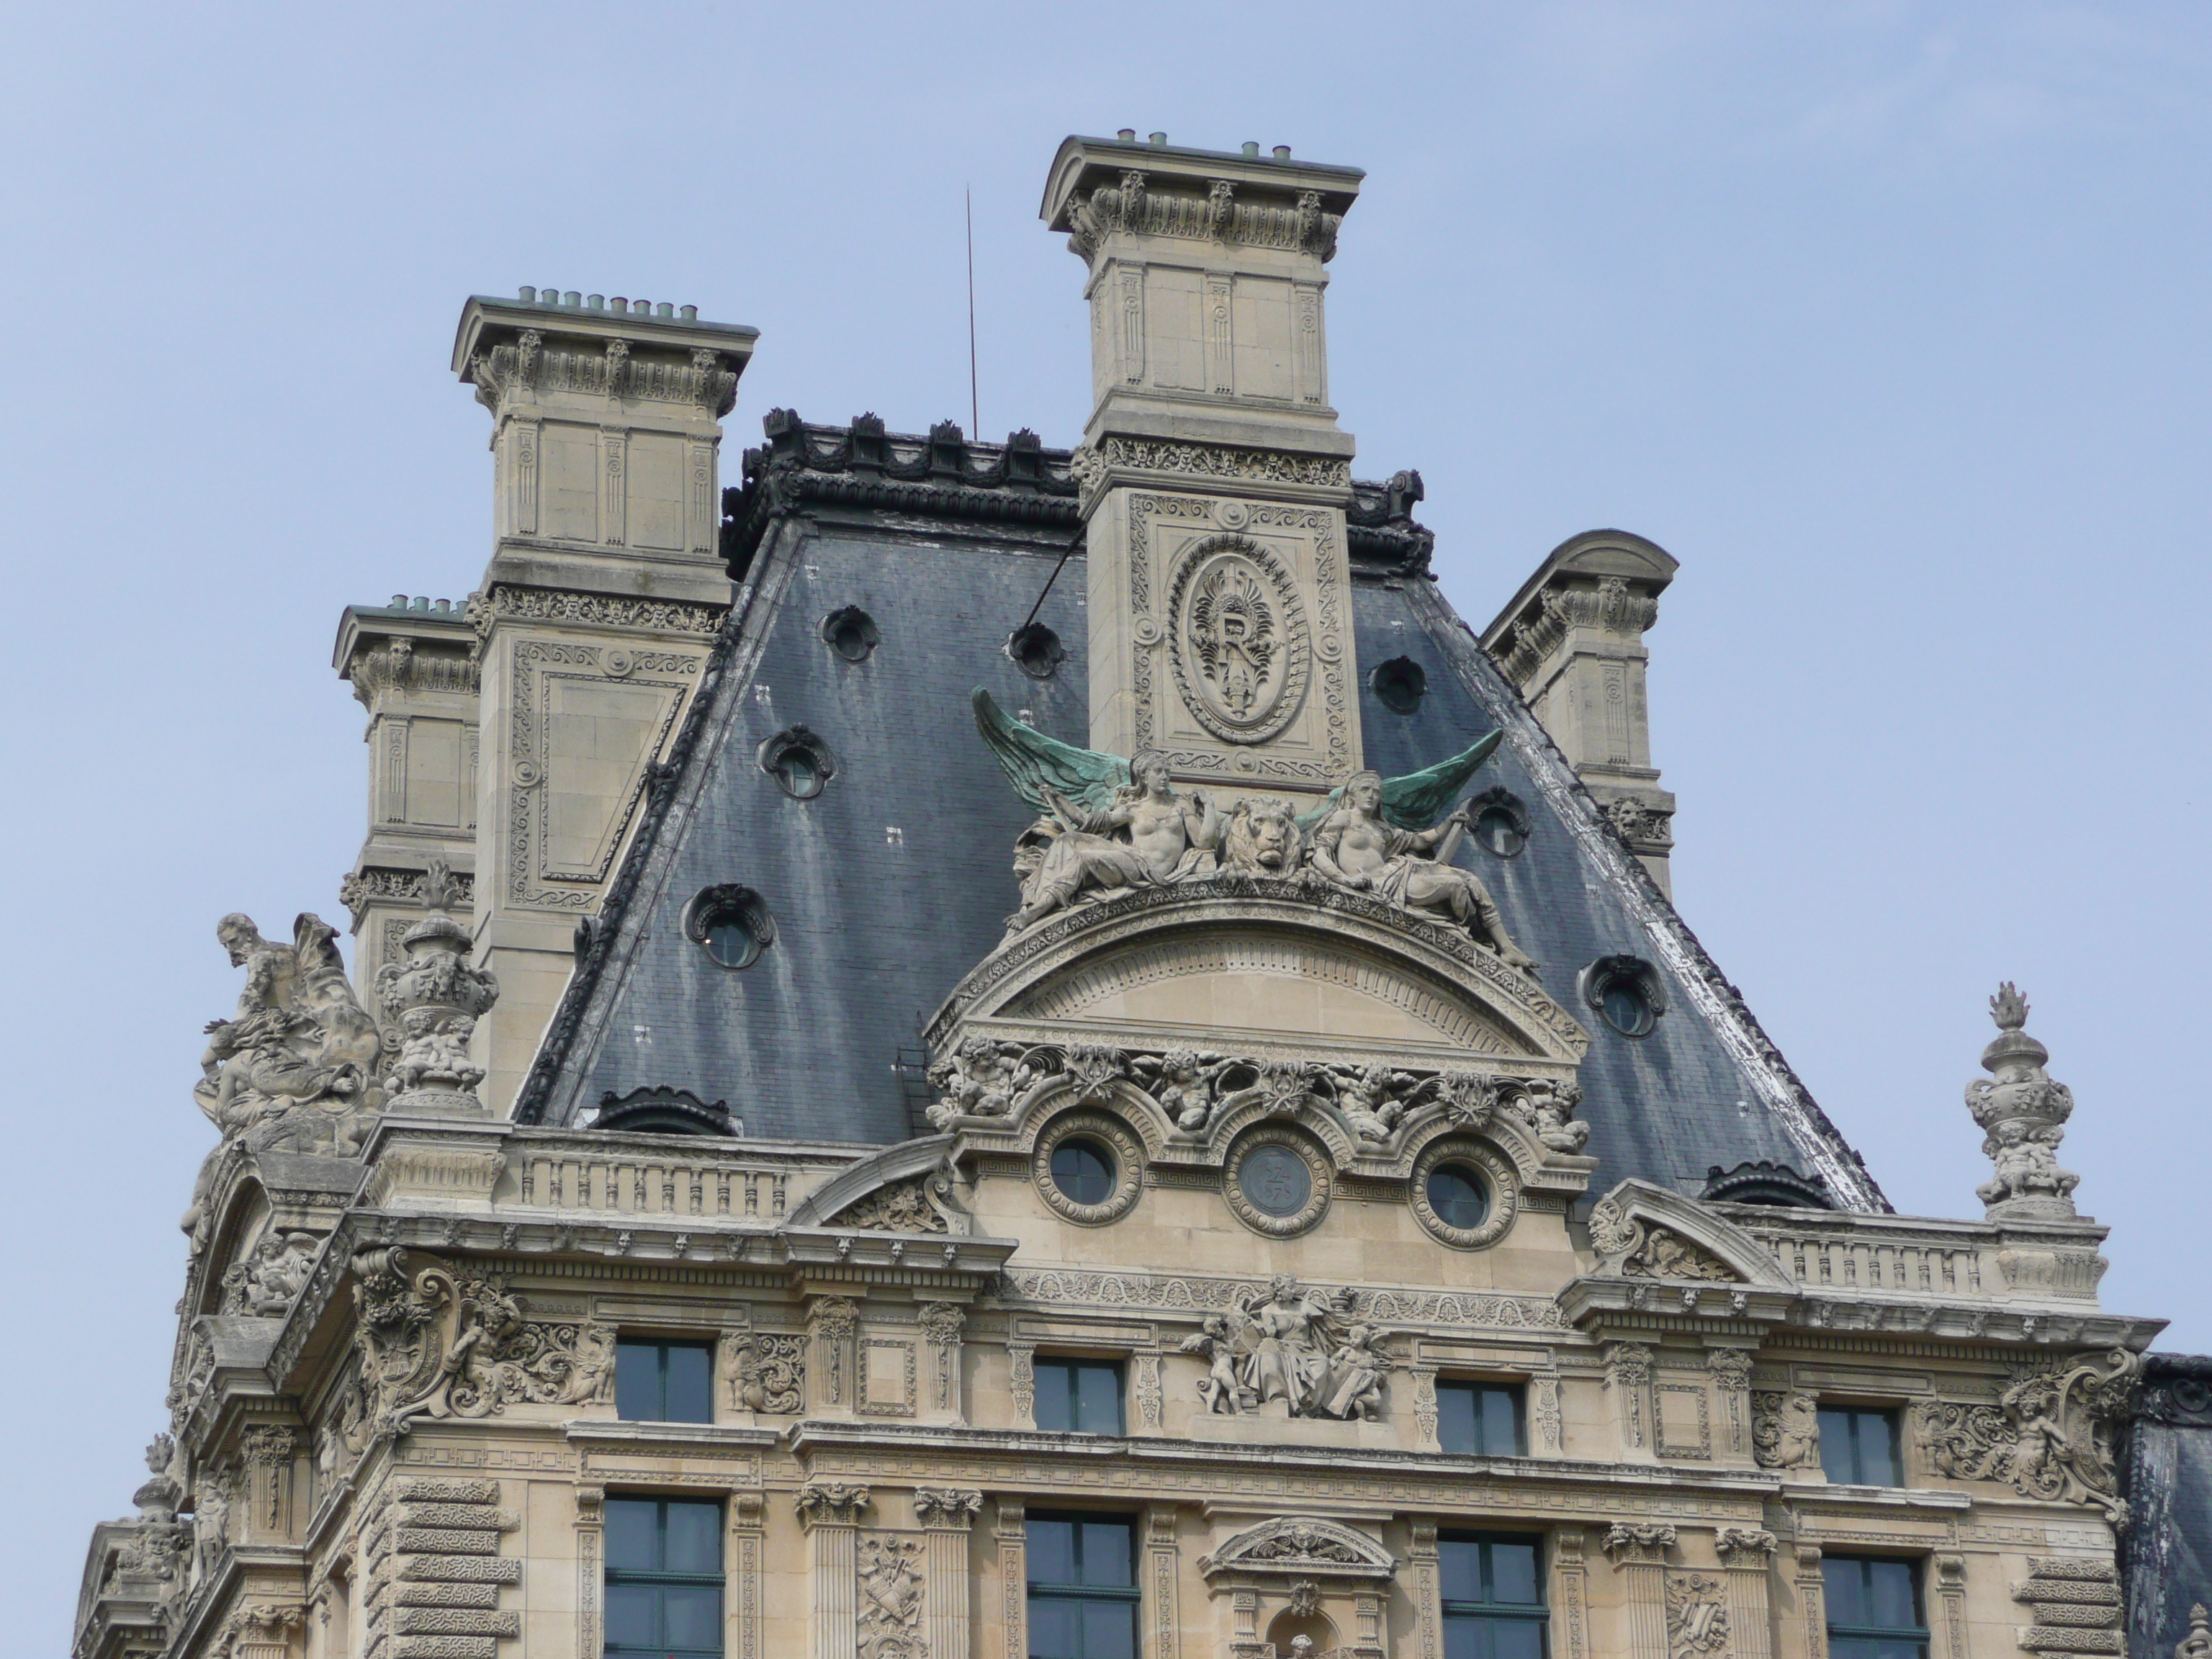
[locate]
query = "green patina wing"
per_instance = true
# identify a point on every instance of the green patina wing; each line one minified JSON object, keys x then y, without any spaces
{"x":1032,"y":762}
{"x":1418,"y":799}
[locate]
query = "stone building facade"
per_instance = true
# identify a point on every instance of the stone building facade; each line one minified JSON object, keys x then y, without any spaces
{"x":1321,"y":1200}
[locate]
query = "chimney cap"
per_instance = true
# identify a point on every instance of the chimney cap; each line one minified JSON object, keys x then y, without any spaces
{"x":1084,"y":163}
{"x":489,"y":320}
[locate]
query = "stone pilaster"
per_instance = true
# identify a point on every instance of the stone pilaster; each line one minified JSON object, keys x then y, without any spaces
{"x":1013,"y":1581}
{"x":1812,"y":1602}
{"x":831,"y":1518}
{"x":1949,"y":1613}
{"x":1639,"y":1554}
{"x":1570,"y":1592}
{"x":1021,"y":1363}
{"x":1163,"y":1568}
{"x":1731,"y":1371}
{"x":1428,"y":1590}
{"x":1746,"y":1555}
{"x":832,"y":1322}
{"x":1628,"y":1384}
{"x":591,"y":1567}
{"x":946,"y":1392}
{"x":748,"y":1538}
{"x":947,"y":1517}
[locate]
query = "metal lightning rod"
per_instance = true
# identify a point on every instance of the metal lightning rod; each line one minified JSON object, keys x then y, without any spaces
{"x":975,"y":418}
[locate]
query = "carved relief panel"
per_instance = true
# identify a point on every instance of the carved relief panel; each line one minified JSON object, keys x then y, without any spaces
{"x":1224,"y":635}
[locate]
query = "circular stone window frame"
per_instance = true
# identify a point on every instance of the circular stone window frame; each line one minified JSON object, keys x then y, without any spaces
{"x":1309,"y":1215}
{"x":743,"y":904}
{"x":1293,"y":646}
{"x":835,"y":623}
{"x":771,"y":754}
{"x":1640,"y":976}
{"x":1497,"y":1173}
{"x":1500,"y":799}
{"x":1121,"y":1143}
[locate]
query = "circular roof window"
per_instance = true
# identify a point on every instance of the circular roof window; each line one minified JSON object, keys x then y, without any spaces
{"x":731,"y":923}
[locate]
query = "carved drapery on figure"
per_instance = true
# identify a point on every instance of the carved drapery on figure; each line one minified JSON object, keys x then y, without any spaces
{"x":2021,"y":1111}
{"x":1293,"y":1346}
{"x":271,"y":1276}
{"x":2051,"y":1435}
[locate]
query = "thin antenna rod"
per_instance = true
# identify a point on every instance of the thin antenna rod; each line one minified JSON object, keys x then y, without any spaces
{"x":975,"y":419}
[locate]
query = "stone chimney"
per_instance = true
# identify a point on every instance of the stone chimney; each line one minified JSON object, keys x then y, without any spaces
{"x":1215,"y":478}
{"x":592,"y":624}
{"x":1572,"y":641}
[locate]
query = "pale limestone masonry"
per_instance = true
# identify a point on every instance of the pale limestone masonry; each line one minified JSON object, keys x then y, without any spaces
{"x":392,"y":1426}
{"x":1215,"y":477}
{"x":1572,"y":641}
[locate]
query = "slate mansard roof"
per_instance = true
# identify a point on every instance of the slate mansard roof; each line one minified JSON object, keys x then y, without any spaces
{"x":897,"y":879}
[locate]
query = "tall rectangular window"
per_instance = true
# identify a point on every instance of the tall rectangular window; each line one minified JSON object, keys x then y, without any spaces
{"x":1480,"y":1419}
{"x":664,"y":1381}
{"x":1874,"y":1610}
{"x":1083,"y":1596}
{"x":1493,"y":1597}
{"x":1081,"y":1396}
{"x":1859,"y":1447}
{"x":664,"y":1585}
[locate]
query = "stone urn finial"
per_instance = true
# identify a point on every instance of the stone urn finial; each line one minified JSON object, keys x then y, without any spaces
{"x":436,"y":996}
{"x":2020,"y":1109}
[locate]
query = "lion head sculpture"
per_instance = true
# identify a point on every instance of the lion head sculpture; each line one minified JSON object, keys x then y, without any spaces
{"x":1263,"y":837}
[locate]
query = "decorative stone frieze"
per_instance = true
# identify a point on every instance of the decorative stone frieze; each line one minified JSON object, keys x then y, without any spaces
{"x":2050,"y":1435}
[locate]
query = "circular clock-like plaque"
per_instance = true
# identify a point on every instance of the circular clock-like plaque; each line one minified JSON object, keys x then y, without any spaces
{"x":1279,"y":1182}
{"x":1239,"y":644}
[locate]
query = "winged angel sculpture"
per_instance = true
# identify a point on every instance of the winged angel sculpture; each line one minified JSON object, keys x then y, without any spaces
{"x":1109,"y":826}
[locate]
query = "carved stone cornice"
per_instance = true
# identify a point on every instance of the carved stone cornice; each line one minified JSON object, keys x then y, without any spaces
{"x":1610,"y":606}
{"x":1141,"y":204}
{"x":508,"y":601}
{"x":377,"y":883}
{"x":527,"y":364}
{"x":1159,"y":459}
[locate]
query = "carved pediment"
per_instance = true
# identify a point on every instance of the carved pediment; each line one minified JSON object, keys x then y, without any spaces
{"x":1301,"y":1547}
{"x":1640,"y":1230}
{"x":1237,"y":961}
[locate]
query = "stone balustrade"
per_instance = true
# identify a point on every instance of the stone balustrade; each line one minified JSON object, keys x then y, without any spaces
{"x":653,"y":1176}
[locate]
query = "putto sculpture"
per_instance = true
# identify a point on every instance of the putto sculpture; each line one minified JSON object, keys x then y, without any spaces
{"x":1111,"y":826}
{"x":1293,"y":1350}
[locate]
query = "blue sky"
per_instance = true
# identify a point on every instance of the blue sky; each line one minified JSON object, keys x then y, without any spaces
{"x":1889,"y":320}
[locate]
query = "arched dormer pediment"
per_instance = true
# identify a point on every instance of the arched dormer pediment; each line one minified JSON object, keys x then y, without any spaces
{"x":903,"y":1188}
{"x":1643,"y":1232}
{"x":1300,"y":1547}
{"x":1264,"y":968}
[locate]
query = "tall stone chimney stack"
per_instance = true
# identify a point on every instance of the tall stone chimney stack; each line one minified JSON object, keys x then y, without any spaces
{"x":1572,"y":640}
{"x":1215,"y":478}
{"x":594,"y":619}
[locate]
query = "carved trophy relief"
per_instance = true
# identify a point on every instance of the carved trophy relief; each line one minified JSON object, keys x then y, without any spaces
{"x":1697,"y":1616}
{"x":891,"y":1586}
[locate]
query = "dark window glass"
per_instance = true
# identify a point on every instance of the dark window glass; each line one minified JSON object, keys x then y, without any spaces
{"x":1083,"y":1596}
{"x":1080,"y":1396}
{"x":1457,"y":1195}
{"x":732,"y":944}
{"x":1083,"y":1171}
{"x":663,"y":1584}
{"x":1874,"y":1608}
{"x":664,"y":1382}
{"x":1493,"y":1597}
{"x":1625,"y":1009}
{"x":1480,"y":1419}
{"x":1275,"y":1179}
{"x":1859,"y":1447}
{"x":1496,"y":829}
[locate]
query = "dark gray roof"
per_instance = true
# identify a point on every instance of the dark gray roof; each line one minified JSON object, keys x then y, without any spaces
{"x":896,"y":880}
{"x":2167,"y":1468}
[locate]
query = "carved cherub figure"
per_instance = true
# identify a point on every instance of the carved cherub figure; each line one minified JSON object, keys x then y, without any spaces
{"x":979,"y":1078}
{"x":2026,"y":1164}
{"x":1221,"y":1389}
{"x":1356,"y":848}
{"x":1182,"y":1080}
{"x":1372,"y":1100}
{"x":436,"y":1050}
{"x":1353,"y":1384}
